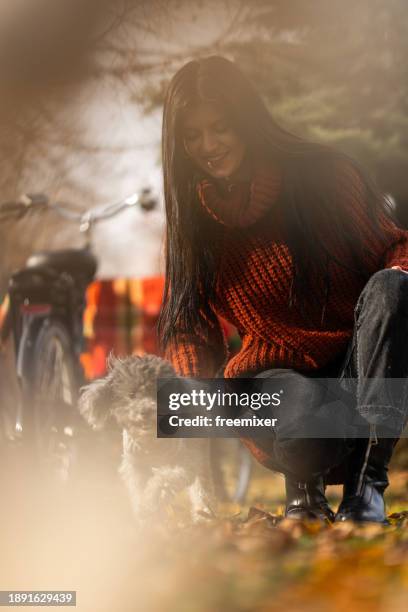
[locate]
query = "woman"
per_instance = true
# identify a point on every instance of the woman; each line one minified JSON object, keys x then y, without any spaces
{"x":290,"y":242}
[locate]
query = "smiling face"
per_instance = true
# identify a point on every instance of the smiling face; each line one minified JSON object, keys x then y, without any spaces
{"x":211,"y":142}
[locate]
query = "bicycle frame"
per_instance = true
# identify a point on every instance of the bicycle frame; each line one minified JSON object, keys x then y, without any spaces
{"x":52,"y":286}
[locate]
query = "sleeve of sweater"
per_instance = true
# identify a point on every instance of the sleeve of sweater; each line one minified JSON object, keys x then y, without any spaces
{"x":193,"y":356}
{"x":392,"y":250}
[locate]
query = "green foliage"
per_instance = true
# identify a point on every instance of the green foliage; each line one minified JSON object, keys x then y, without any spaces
{"x":334,"y":71}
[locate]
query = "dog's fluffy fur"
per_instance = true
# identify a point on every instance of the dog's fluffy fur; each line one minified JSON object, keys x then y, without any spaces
{"x":153,"y":469}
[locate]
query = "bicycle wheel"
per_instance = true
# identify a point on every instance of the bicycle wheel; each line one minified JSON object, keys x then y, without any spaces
{"x":50,"y":391}
{"x":231,"y":465}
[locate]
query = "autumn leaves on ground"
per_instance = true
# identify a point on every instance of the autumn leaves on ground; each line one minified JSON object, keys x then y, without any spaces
{"x":248,"y":559}
{"x":264,"y":562}
{"x":256,"y":560}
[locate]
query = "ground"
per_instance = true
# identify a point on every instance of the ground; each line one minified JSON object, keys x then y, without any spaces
{"x":248,"y":559}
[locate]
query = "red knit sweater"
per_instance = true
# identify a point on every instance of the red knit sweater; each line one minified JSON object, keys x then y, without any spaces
{"x":253,"y":288}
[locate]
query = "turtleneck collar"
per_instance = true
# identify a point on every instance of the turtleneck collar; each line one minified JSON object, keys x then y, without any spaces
{"x":241,"y":203}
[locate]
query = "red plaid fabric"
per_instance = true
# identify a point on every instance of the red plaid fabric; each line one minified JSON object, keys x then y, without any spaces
{"x":120,"y":317}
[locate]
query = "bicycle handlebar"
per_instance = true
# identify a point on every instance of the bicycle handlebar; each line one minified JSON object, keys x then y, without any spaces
{"x":29,"y":201}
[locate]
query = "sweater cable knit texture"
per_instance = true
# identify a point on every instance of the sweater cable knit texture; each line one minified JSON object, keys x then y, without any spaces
{"x":253,"y":287}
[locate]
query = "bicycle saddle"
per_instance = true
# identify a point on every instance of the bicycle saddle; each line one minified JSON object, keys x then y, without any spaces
{"x":76,"y":262}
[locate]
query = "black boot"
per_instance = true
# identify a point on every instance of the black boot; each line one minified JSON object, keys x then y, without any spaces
{"x":306,"y":500}
{"x":366,"y":481}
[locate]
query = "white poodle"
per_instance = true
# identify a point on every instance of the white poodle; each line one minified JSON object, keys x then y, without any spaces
{"x":153,"y":469}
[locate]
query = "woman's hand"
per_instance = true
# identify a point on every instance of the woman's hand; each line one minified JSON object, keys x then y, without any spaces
{"x":398,"y":268}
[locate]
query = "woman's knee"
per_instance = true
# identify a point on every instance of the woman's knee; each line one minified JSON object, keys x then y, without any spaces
{"x":386,"y":291}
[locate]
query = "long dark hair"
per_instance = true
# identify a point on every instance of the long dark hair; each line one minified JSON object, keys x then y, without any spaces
{"x":192,"y":236}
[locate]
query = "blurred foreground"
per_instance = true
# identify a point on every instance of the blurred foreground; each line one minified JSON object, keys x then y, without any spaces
{"x":84,"y":539}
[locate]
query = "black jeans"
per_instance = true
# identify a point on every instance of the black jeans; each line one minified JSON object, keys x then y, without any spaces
{"x":373,"y":374}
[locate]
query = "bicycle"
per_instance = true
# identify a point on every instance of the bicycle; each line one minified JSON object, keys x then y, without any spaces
{"x":47,"y":301}
{"x":46,"y":305}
